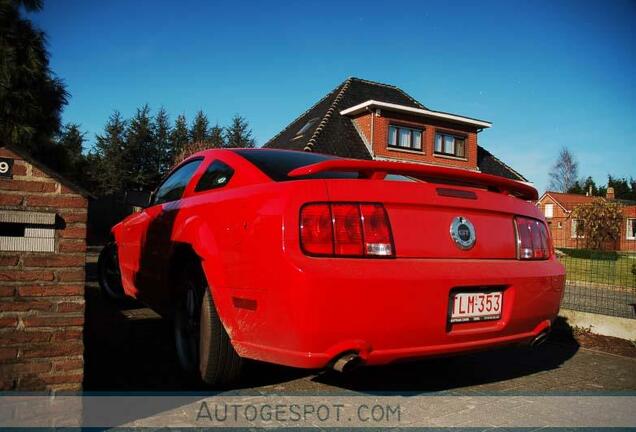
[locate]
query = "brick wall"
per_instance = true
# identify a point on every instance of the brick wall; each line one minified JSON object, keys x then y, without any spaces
{"x":381,"y":149}
{"x":42,"y":294}
{"x":560,"y":225}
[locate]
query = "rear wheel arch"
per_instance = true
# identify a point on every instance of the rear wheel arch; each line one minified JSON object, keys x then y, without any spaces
{"x":184,"y":254}
{"x":201,"y":340}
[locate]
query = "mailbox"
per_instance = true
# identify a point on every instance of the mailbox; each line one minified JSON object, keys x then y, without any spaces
{"x":27,"y":231}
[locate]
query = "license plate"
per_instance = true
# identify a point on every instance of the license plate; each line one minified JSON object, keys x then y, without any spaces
{"x":476,"y":306}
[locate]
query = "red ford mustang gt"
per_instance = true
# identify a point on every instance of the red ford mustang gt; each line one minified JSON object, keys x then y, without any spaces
{"x":313,"y":261}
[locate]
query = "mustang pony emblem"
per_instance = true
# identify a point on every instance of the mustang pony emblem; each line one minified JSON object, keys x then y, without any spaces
{"x":462,"y":232}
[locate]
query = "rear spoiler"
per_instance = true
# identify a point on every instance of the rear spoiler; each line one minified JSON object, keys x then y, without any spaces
{"x":377,"y":170}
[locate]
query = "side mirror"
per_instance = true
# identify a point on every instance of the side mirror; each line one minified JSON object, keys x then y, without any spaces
{"x":138,"y":198}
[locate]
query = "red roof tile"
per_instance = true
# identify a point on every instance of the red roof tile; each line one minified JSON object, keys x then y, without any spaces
{"x":568,"y":201}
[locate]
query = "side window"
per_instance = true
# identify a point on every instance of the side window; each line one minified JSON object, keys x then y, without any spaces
{"x":172,"y":188}
{"x":217,"y":175}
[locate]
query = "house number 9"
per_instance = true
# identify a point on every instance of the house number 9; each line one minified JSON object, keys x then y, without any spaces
{"x":6,"y":168}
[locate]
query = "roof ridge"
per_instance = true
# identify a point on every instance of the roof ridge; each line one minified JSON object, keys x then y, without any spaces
{"x":415,"y":101}
{"x":310,"y":144}
{"x":574,"y":194}
{"x":304,"y":113}
{"x":505,"y":164}
{"x":559,"y":203}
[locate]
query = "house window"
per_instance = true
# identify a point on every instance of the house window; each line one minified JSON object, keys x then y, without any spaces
{"x":631,"y":229}
{"x":450,"y":145}
{"x":548,"y":210}
{"x":405,"y":138}
{"x":559,"y":225}
{"x":577,"y":229}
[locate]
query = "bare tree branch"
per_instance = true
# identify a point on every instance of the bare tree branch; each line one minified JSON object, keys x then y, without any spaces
{"x":564,"y":172}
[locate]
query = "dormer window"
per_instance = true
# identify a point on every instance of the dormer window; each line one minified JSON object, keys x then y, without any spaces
{"x":303,"y":130}
{"x":406,"y":138}
{"x":450,"y":145}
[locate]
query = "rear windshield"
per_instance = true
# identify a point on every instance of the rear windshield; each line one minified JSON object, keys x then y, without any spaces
{"x":278,"y":163}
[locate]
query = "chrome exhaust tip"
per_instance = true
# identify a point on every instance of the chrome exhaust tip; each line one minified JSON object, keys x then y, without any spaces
{"x":540,"y":339}
{"x":346,"y":362}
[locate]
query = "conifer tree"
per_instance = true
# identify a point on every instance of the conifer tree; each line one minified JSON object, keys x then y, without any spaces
{"x":180,"y":136}
{"x":105,"y":166}
{"x":66,"y":150}
{"x":163,"y":142}
{"x":31,"y":96}
{"x":217,"y":140}
{"x":199,"y":132}
{"x":238,"y":134}
{"x":140,"y":160}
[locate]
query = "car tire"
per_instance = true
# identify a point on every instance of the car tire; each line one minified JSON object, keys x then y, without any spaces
{"x":203,"y":345}
{"x":108,"y":273}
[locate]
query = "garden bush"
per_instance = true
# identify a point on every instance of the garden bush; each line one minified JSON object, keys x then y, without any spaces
{"x":590,"y":254}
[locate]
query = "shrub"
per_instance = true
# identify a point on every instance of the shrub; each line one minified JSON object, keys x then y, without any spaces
{"x":600,"y":222}
{"x":590,"y":254}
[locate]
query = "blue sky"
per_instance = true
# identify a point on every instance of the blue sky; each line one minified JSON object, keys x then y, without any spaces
{"x":546,"y":73}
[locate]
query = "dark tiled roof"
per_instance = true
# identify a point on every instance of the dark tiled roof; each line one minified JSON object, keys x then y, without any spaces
{"x":489,"y":164}
{"x":335,"y":134}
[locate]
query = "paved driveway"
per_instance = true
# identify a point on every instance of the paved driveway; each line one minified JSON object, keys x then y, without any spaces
{"x":128,"y":347}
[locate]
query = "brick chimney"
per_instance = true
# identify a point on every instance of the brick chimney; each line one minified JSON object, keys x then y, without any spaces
{"x":610,"y":193}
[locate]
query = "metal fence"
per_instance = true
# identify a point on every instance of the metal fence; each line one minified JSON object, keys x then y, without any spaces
{"x":602,"y":279}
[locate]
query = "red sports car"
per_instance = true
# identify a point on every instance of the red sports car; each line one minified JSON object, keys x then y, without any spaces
{"x":312,"y":261}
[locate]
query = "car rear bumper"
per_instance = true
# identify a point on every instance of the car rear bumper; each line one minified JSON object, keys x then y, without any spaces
{"x":308,"y":313}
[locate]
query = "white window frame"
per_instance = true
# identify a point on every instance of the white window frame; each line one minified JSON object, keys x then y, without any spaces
{"x":573,"y":226}
{"x":441,"y":149}
{"x":632,"y":222}
{"x":548,"y":211}
{"x":394,"y":139}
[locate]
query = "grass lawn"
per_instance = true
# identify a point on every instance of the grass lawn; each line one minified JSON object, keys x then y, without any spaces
{"x":617,"y":272}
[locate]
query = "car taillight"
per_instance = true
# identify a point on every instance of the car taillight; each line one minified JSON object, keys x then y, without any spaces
{"x":345,"y":229}
{"x":533,"y":240}
{"x":315,"y":229}
{"x":377,"y":231}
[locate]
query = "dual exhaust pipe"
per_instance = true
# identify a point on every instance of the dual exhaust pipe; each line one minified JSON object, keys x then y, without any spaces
{"x":349,"y":361}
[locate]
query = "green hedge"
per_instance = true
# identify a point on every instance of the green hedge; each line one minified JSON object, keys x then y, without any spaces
{"x":590,"y":254}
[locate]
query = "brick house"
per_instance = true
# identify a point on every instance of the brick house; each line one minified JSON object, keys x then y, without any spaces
{"x":42,"y":260}
{"x":368,"y":120}
{"x":557,"y":208}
